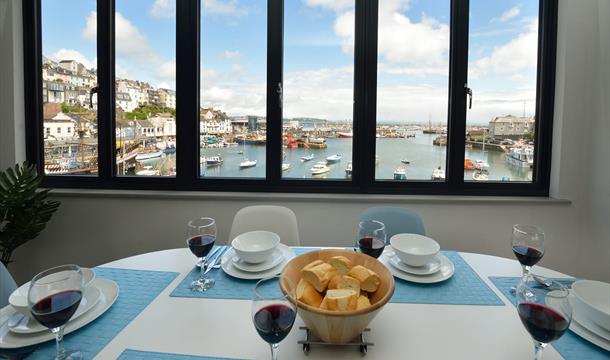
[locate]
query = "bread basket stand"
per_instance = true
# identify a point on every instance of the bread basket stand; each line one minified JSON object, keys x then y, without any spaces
{"x":312,"y":340}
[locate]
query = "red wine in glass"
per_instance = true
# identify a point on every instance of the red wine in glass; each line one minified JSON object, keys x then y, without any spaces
{"x":55,"y":310}
{"x":274,"y":322}
{"x":543,"y":324}
{"x":371,"y":246}
{"x":201,"y":245}
{"x":527,"y":255}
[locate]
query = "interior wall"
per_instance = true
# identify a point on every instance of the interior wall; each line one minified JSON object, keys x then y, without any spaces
{"x":91,"y":229}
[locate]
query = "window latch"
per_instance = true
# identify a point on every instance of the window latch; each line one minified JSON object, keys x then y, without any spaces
{"x":469,"y":93}
{"x":93,"y":90}
{"x":280,"y":94}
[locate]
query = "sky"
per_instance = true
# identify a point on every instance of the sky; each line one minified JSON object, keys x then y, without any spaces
{"x":318,"y":54}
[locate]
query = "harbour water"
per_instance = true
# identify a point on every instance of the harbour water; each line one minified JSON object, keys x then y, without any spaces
{"x":423,"y":156}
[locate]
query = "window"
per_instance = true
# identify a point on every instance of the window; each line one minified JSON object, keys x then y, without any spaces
{"x":273,"y":95}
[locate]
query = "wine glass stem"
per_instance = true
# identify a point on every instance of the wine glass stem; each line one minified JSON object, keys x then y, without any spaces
{"x":526,"y":270}
{"x":203,"y":267}
{"x":274,"y":348}
{"x":538,"y":347}
{"x":59,"y":341}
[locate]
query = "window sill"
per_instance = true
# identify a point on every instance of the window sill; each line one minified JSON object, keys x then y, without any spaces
{"x":314,"y":197}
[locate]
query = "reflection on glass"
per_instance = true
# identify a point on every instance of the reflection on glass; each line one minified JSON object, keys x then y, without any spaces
{"x":502,"y":75}
{"x":145,"y":98}
{"x":233,"y":124}
{"x":69,"y":80}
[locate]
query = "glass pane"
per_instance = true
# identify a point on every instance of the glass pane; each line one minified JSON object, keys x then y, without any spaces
{"x":68,"y":76}
{"x":233,"y":89}
{"x":502,"y":75}
{"x":412,"y":89}
{"x":318,"y":89}
{"x":145,"y":87}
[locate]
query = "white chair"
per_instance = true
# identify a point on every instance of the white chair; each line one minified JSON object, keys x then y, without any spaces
{"x":7,"y":285}
{"x":278,"y":219}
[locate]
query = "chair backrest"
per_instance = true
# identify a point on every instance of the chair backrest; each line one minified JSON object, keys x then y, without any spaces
{"x":7,"y":285}
{"x":397,"y":220}
{"x":278,"y":219}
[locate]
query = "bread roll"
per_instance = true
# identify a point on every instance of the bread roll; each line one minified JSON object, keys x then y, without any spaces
{"x":341,"y":263}
{"x":344,"y":282}
{"x":324,"y":304}
{"x":369,"y":280}
{"x":363,"y":302}
{"x":307,"y":294}
{"x":319,"y":275}
{"x":341,"y":300}
{"x":313,"y":263}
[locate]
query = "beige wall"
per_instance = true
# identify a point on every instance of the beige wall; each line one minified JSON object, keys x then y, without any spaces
{"x":92,"y":228}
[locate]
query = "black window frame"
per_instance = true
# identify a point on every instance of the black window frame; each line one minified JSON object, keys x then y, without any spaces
{"x":188,"y":26}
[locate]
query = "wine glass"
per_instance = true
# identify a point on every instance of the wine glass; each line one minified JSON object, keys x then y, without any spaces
{"x":528,"y":245}
{"x":545,"y":311}
{"x":273,"y":314}
{"x":200,"y":238}
{"x":371,"y":237}
{"x":53,"y":298}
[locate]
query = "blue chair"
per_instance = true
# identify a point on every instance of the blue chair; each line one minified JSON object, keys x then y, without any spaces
{"x":7,"y":285}
{"x":397,"y":220}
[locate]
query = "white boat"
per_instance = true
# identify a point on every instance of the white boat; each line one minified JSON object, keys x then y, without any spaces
{"x":348,"y":170}
{"x":479,"y":176}
{"x":161,"y":145}
{"x":248,"y":163}
{"x":481,"y":165}
{"x":320,"y":168}
{"x":213,"y":160}
{"x":400,"y":174}
{"x":307,"y":158}
{"x":285,"y":166}
{"x":405,"y":161}
{"x":521,"y":157}
{"x":149,"y":155}
{"x":333,"y":158}
{"x":438,"y":174}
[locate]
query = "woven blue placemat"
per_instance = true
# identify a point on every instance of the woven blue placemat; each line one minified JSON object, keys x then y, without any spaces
{"x":137,"y":289}
{"x":147,"y":355}
{"x":464,"y":288}
{"x":570,"y":345}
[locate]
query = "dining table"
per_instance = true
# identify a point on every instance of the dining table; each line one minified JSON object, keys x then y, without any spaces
{"x":174,"y":327}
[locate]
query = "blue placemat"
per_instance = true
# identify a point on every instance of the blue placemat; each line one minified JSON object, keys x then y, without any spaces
{"x":464,"y":288}
{"x":570,"y":345}
{"x":147,"y":355}
{"x":137,"y":289}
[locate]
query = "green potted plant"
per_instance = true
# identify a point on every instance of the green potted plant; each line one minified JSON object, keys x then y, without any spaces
{"x":24,"y":209}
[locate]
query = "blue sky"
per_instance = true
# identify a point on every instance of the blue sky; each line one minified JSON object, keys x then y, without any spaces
{"x":413,"y":53}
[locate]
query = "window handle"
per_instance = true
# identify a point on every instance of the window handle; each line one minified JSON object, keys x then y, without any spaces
{"x":280,"y":94}
{"x":469,"y":93}
{"x":93,"y":90}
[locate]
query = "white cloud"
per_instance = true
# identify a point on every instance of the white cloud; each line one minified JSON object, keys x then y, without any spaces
{"x":90,"y":30}
{"x":71,"y":54}
{"x":508,"y":15}
{"x":224,"y":7}
{"x":229,"y":54}
{"x":413,"y":71}
{"x":163,"y":9}
{"x":335,"y":5}
{"x":167,"y":70}
{"x":120,"y":72}
{"x":237,"y":70}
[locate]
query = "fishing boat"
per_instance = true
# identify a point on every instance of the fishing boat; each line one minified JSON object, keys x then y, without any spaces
{"x":149,"y":155}
{"x":400,"y":174}
{"x":479,"y":176}
{"x":307,"y":158}
{"x":213,"y":160}
{"x":320,"y":168}
{"x":285,"y":166}
{"x":345,"y":135}
{"x":481,"y":165}
{"x":521,"y":157}
{"x":468,"y":165}
{"x":405,"y":161}
{"x":248,"y":163}
{"x":348,"y":170}
{"x":438,"y":174}
{"x":333,"y":158}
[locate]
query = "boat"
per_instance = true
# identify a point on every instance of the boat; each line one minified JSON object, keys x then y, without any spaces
{"x":320,"y":168}
{"x":481,"y":165}
{"x":400,"y":174}
{"x":468,"y":165}
{"x":521,"y":157}
{"x":213,"y":160}
{"x":405,"y":161}
{"x":438,"y":174}
{"x":161,"y":145}
{"x":479,"y":176}
{"x":348,"y":170}
{"x":345,"y":135}
{"x":248,"y":163}
{"x":149,"y":155}
{"x":333,"y":158}
{"x":285,"y":166}
{"x":147,"y":171}
{"x":307,"y":158}
{"x":169,"y":150}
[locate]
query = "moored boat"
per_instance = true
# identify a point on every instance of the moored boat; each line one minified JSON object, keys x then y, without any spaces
{"x":149,"y":155}
{"x":307,"y":157}
{"x":521,"y":157}
{"x":405,"y":161}
{"x":147,"y":171}
{"x":344,"y":135}
{"x":348,"y":170}
{"x":213,"y":160}
{"x":400,"y":174}
{"x":248,"y":163}
{"x":285,"y":166}
{"x":333,"y":158}
{"x":481,"y":165}
{"x":438,"y":174}
{"x":320,"y":168}
{"x":479,"y":176}
{"x":468,"y":165}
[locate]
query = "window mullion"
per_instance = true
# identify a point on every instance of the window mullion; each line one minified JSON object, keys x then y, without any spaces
{"x":275,"y":68}
{"x":105,"y":75}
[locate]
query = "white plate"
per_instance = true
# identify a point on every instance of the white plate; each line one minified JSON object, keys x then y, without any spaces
{"x":275,"y":260}
{"x":9,"y":340}
{"x":447,"y":270}
{"x":229,"y":268}
{"x":428,"y":269}
{"x":589,"y":324}
{"x":588,"y":335}
{"x":29,"y":325}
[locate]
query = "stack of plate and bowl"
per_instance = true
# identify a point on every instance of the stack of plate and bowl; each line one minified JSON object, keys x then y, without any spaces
{"x":591,"y":311}
{"x":19,"y":329}
{"x":416,"y":258}
{"x":256,"y":255}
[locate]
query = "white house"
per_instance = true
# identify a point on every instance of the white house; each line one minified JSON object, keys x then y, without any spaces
{"x":510,"y":126}
{"x":125,"y":102}
{"x":59,"y":127}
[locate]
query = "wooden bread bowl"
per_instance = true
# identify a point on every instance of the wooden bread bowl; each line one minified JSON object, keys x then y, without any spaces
{"x":337,"y":326}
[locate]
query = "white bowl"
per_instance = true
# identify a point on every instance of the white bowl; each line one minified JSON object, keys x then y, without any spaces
{"x":592,"y":300}
{"x":255,"y":246}
{"x":19,"y":298}
{"x":414,"y":249}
